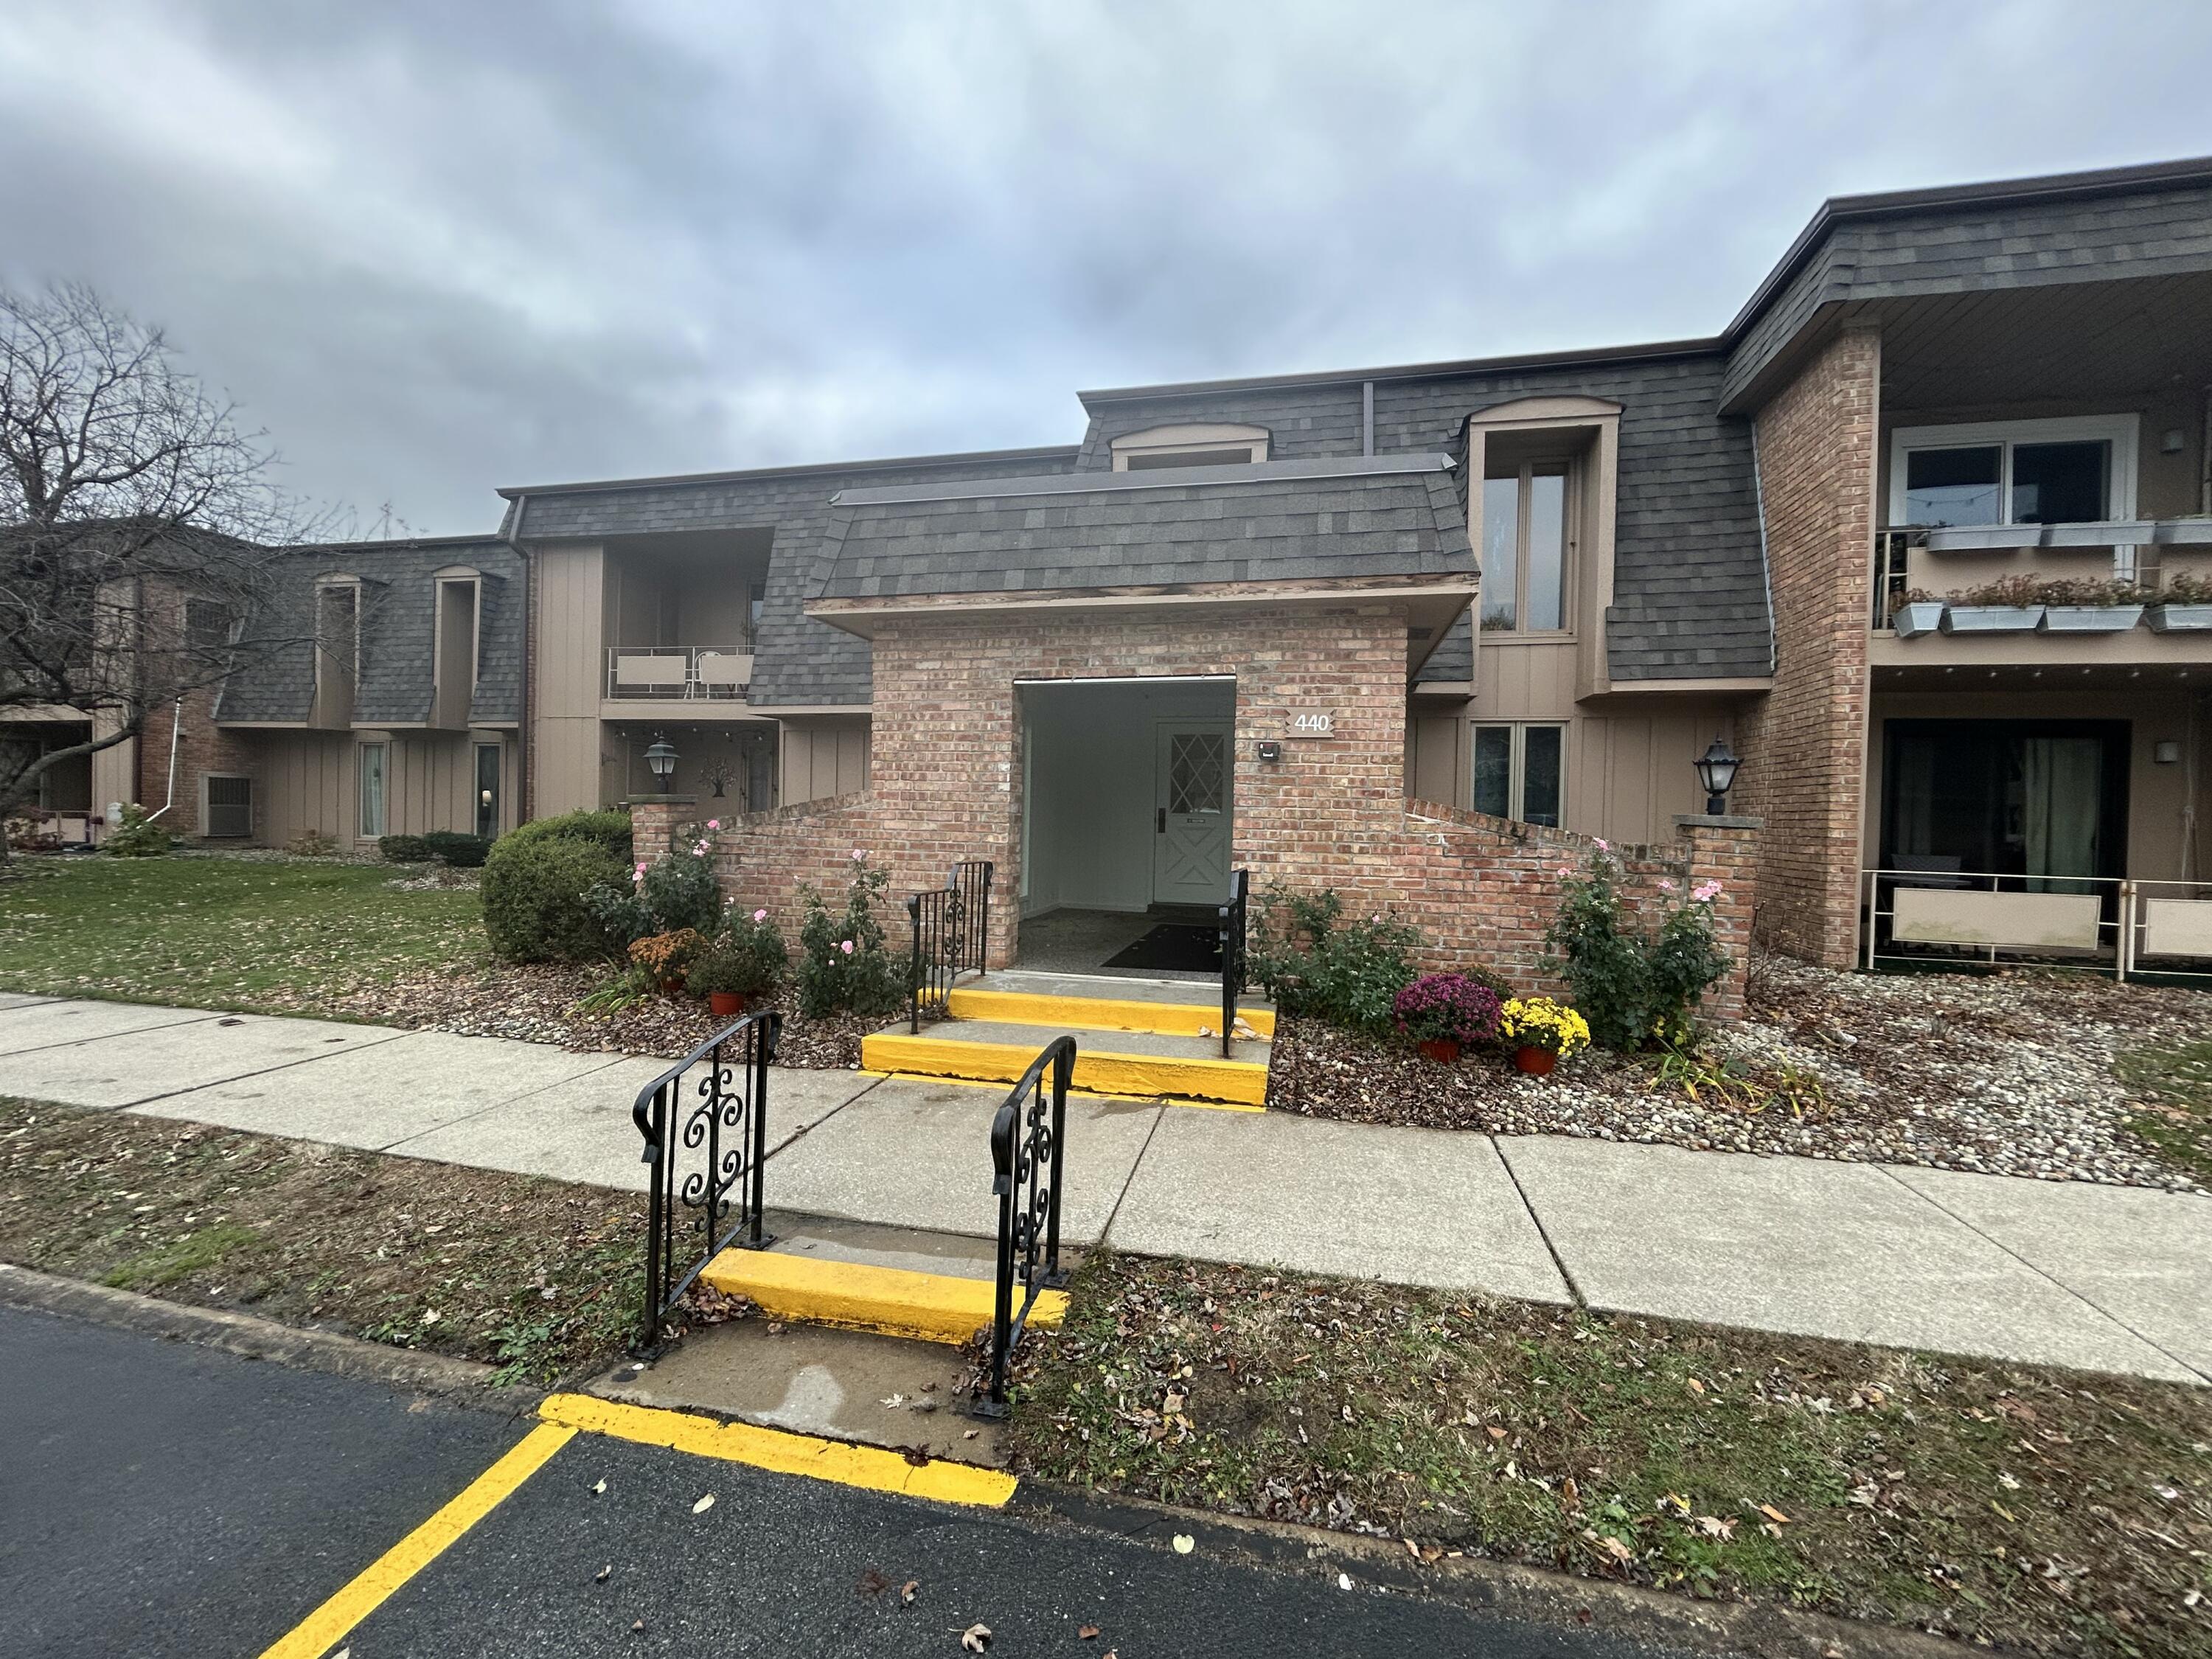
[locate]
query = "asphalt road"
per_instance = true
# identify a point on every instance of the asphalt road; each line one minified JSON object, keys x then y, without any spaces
{"x":159,"y":1498}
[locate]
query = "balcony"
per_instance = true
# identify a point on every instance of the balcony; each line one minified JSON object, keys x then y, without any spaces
{"x":677,"y":673}
{"x":2026,"y":594}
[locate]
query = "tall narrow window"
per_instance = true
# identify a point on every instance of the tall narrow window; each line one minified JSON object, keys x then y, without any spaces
{"x":487,"y":790}
{"x":1520,"y":771}
{"x":755,"y":602}
{"x":372,"y":757}
{"x":1524,"y":549}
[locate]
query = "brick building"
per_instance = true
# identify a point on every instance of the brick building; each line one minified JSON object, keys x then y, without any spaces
{"x":1922,"y":534}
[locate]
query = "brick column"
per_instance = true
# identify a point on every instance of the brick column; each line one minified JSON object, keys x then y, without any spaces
{"x":652,"y":821}
{"x":1726,"y":850}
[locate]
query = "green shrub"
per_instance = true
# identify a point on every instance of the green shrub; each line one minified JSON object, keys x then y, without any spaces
{"x":534,"y":909}
{"x":460,"y":851}
{"x":609,"y":829}
{"x":844,"y":966}
{"x":403,"y":849}
{"x":1317,"y":964}
{"x":677,"y":891}
{"x":136,"y":836}
{"x":1634,"y":983}
{"x":747,"y":958}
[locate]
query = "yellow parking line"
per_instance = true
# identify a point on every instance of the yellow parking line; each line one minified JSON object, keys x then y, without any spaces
{"x":312,"y":1635}
{"x":780,"y":1452}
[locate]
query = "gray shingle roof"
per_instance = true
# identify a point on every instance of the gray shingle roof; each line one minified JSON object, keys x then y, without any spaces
{"x":797,"y":661}
{"x":396,"y":674}
{"x":2088,"y":227}
{"x":1689,"y":575}
{"x":1340,"y":518}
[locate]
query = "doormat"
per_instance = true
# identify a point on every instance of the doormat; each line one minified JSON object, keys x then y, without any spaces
{"x":1178,"y":946}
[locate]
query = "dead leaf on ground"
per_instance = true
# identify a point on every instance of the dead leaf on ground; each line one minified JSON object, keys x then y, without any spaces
{"x":975,"y":1637}
{"x":703,"y":1504}
{"x":1774,"y":1515}
{"x":600,"y":1576}
{"x":908,"y":1591}
{"x":871,"y":1583}
{"x":1087,"y":1632}
{"x":1184,"y":1543}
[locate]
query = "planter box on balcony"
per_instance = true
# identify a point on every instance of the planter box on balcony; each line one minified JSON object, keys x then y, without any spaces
{"x":2111,"y":532}
{"x":2090,"y":618}
{"x":2181,"y":619}
{"x":1984,"y":538}
{"x":1911,"y":621}
{"x":1992,"y":618}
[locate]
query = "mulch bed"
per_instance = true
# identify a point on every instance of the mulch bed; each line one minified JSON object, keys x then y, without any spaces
{"x":2007,"y":1074}
{"x":535,"y":1002}
{"x":2031,"y":1509}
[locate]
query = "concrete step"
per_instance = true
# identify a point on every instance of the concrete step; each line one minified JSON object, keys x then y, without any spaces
{"x":1069,"y":1009}
{"x":815,"y":1290}
{"x":1138,"y":1065}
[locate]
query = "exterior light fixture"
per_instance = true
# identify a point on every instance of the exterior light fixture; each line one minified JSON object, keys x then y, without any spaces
{"x":1716,"y":769}
{"x":660,"y":761}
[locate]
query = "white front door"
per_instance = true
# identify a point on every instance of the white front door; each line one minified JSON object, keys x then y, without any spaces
{"x":1190,"y":814}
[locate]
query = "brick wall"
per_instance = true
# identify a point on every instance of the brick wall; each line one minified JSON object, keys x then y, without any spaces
{"x":946,"y":782}
{"x":1804,"y":745}
{"x":201,"y":747}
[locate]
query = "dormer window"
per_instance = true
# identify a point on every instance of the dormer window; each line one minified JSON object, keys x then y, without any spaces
{"x":1524,"y":547}
{"x":459,"y":608}
{"x":1189,"y":446}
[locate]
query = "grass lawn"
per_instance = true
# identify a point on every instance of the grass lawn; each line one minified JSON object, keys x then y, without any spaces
{"x":2174,"y":1087}
{"x":217,"y":932}
{"x":2043,"y":1510}
{"x":538,"y":1277}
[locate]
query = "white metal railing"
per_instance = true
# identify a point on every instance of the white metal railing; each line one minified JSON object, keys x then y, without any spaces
{"x":666,"y":671}
{"x":2124,"y":926}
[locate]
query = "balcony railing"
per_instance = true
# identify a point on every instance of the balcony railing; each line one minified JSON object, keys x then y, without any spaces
{"x":671,"y":673}
{"x":2127,"y":926}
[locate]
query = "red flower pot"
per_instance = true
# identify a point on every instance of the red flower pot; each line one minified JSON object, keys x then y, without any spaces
{"x":1443,"y":1050}
{"x":1537,"y":1062}
{"x":725,"y":1005}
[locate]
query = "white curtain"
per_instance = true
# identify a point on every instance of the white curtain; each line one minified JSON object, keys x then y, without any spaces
{"x":2064,"y":782}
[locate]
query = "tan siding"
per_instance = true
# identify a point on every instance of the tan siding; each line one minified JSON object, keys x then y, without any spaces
{"x":823,"y":758}
{"x":568,"y":660}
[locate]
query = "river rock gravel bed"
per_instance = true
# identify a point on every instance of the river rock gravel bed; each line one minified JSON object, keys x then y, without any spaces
{"x":2007,"y":1074}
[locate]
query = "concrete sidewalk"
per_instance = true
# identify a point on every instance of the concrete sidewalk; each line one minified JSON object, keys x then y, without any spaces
{"x":2105,"y":1279}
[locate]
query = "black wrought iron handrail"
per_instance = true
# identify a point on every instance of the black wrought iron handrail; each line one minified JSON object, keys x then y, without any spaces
{"x":727,"y":1124}
{"x":1029,"y":1161}
{"x":951,"y":933}
{"x":1232,"y":951}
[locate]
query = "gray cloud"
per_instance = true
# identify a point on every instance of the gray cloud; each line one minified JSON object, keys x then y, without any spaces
{"x":435,"y":248}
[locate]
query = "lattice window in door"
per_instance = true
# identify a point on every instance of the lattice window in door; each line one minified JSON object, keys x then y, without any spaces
{"x":1197,"y":771}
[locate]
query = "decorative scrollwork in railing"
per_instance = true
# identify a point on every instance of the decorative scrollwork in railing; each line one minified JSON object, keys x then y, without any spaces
{"x":705,"y":1125}
{"x":1029,"y":1159}
{"x":951,"y":931}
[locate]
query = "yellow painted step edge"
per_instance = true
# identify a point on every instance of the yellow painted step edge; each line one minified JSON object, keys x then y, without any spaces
{"x":895,"y":1301}
{"x":781,"y":1451}
{"x":1100,"y":1013}
{"x":1143,"y":1077}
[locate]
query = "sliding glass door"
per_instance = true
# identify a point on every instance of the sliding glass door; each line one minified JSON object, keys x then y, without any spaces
{"x":2043,"y":801}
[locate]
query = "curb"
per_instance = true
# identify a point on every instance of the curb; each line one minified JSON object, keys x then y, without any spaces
{"x":251,"y":1337}
{"x":1551,"y":1600}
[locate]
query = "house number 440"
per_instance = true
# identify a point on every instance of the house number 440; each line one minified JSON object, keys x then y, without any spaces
{"x":1313,"y":725}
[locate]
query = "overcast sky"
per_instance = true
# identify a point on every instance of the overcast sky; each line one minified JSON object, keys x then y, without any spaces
{"x":438,"y":245}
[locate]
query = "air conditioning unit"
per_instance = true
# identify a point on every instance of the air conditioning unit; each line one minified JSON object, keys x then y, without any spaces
{"x":229,"y":808}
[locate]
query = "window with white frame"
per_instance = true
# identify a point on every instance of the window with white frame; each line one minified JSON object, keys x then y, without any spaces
{"x":2071,"y":471}
{"x":373,"y":757}
{"x":1520,"y":772}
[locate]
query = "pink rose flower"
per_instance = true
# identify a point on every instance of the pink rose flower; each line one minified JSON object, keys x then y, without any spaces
{"x":1603,"y":845}
{"x":760,"y":915}
{"x":1665,"y":886}
{"x":847,"y":947}
{"x":713,"y":823}
{"x":858,"y":855}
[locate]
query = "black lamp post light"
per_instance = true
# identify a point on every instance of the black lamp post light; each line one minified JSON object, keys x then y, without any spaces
{"x":1716,"y":769}
{"x":660,"y":761}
